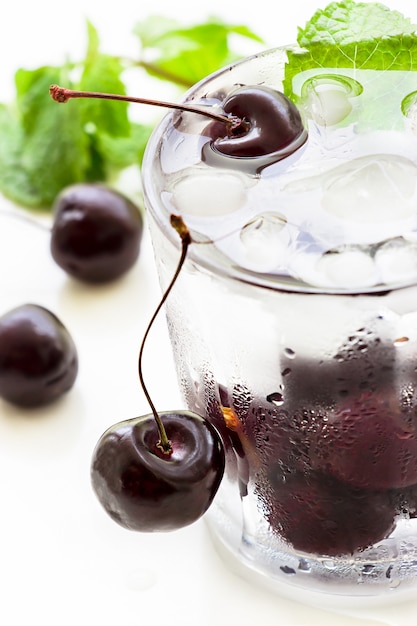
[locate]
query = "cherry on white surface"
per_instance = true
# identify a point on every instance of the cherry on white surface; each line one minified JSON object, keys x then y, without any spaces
{"x":62,"y":561}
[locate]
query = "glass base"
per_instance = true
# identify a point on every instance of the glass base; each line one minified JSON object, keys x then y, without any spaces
{"x":368,"y":579}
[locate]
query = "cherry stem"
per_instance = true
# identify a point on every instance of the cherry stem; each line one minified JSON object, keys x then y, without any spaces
{"x":63,"y":94}
{"x":164,"y":443}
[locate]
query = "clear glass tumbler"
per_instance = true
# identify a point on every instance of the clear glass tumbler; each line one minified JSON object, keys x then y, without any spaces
{"x":294,"y":323}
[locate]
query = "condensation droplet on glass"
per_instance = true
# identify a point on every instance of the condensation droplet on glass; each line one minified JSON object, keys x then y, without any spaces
{"x":276,"y":398}
{"x":400,"y":341}
{"x":405,"y":436}
{"x":304,"y":565}
{"x":289,"y":353}
{"x":368,"y":569}
{"x":362,"y":347}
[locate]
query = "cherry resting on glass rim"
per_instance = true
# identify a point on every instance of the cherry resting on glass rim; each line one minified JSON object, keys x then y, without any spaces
{"x":38,"y":358}
{"x":146,"y":489}
{"x":273,"y":127}
{"x":96,"y":232}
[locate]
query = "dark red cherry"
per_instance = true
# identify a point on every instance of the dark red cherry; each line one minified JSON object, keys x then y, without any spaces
{"x":38,"y":358}
{"x":273,"y":126}
{"x":370,"y":442}
{"x":317,"y":514}
{"x":146,"y":489}
{"x":96,"y":233}
{"x":364,"y":362}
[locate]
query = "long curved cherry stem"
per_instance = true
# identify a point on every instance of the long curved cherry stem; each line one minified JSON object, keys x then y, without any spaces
{"x":164,"y":443}
{"x":63,"y":94}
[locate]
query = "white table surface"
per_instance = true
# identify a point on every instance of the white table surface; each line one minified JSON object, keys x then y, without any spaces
{"x":62,"y":560}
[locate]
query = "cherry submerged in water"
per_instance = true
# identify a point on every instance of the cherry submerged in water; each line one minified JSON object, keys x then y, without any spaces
{"x":333,"y":460}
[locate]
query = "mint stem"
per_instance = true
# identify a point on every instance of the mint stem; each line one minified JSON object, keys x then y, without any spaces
{"x":162,"y":74}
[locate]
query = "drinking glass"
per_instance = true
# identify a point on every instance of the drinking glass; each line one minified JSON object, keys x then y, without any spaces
{"x":294,"y":323}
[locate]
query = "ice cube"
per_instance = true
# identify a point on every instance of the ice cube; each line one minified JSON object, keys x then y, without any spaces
{"x":328,"y":106}
{"x":371,"y":189}
{"x":209,"y":193}
{"x":397,"y":261}
{"x":265,"y":241}
{"x":351,"y":268}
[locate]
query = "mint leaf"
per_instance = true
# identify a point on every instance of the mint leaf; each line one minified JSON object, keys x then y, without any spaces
{"x":121,"y":152}
{"x":43,"y":146}
{"x":14,"y":181}
{"x":354,"y":35}
{"x":101,"y":117}
{"x":186,"y":55}
{"x":349,"y":22}
{"x":102,"y":72}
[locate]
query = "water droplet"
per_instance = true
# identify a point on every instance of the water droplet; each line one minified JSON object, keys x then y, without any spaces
{"x":304,"y":565}
{"x":343,"y":393}
{"x":405,"y":436}
{"x":368,"y":569}
{"x":362,"y":346}
{"x":276,"y":398}
{"x":400,"y":341}
{"x":289,"y":353}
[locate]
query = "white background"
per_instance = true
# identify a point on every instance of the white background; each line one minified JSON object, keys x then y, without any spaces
{"x":62,"y":561}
